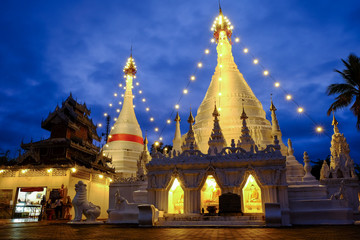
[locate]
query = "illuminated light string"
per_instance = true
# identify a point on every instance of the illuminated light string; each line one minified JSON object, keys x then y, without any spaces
{"x":176,"y":106}
{"x":288,"y":96}
{"x":192,"y":78}
{"x":185,"y":90}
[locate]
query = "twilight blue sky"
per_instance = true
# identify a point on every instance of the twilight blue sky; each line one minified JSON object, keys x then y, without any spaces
{"x":51,"y":48}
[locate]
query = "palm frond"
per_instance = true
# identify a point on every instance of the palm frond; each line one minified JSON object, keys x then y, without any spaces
{"x":340,"y":88}
{"x":343,"y":100}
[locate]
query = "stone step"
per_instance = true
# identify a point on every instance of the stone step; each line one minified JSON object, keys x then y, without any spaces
{"x":211,"y":223}
{"x":201,"y":220}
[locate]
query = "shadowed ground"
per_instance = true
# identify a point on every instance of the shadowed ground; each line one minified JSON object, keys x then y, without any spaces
{"x":61,"y":230}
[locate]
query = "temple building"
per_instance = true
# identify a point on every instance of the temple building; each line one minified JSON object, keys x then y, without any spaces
{"x":67,"y":156}
{"x":125,"y":142}
{"x":233,"y":151}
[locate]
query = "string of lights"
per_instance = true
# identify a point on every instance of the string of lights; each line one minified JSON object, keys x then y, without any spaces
{"x":192,"y":78}
{"x":288,"y":96}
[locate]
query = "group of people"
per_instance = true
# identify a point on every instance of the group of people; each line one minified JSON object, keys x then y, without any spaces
{"x":57,"y":206}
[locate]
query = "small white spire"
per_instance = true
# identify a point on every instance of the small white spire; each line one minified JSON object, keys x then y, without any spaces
{"x":177,"y":137}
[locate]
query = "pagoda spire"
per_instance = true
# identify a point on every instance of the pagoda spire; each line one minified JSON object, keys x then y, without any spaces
{"x":143,"y":160}
{"x":246,"y":141}
{"x":177,"y":137}
{"x":216,"y":140}
{"x":274,"y":121}
{"x":275,"y":128}
{"x":190,"y":143}
{"x":126,"y":133}
{"x":335,"y":124}
{"x":341,"y":164}
{"x":227,"y":88}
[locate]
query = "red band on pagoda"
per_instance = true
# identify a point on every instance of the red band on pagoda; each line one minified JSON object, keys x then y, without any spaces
{"x":126,"y":137}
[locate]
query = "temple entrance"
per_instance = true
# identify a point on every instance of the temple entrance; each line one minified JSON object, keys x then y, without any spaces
{"x":176,"y":198}
{"x":210,"y":193}
{"x":252,"y":196}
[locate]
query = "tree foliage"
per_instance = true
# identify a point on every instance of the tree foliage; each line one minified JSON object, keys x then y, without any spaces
{"x":349,"y":91}
{"x":160,"y":147}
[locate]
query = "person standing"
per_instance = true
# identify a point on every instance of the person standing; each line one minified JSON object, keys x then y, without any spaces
{"x":58,"y":208}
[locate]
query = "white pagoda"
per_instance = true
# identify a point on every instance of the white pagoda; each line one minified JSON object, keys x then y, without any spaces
{"x":125,"y":142}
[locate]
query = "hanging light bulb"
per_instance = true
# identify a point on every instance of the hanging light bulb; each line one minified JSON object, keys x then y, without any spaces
{"x":118,"y":110}
{"x":140,"y":92}
{"x":207,"y":51}
{"x":192,"y":78}
{"x":246,"y":50}
{"x":144,"y":100}
{"x":266,"y":72}
{"x":115,"y":94}
{"x":105,"y":114}
{"x":168,"y":121}
{"x":120,"y":103}
{"x":277,"y":84}
{"x":288,"y":97}
{"x":110,"y":104}
{"x":319,"y":129}
{"x":99,"y":125}
{"x":177,"y":106}
{"x":200,"y":65}
{"x":147,"y":109}
{"x":156,"y":129}
{"x":300,"y":109}
{"x":256,"y":61}
{"x":237,"y":39}
{"x":185,"y":91}
{"x":151,"y":119}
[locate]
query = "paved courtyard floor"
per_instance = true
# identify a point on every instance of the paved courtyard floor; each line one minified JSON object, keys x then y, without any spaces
{"x":61,"y":230}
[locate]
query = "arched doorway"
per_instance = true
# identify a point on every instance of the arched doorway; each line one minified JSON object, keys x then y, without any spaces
{"x":252,"y":196}
{"x":176,"y":198}
{"x":210,"y":193}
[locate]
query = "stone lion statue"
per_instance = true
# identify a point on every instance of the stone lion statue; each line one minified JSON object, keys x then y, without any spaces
{"x":82,"y":206}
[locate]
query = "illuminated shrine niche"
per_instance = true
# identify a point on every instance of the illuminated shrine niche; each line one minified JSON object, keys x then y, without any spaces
{"x":252,"y":196}
{"x":176,"y":198}
{"x":210,"y":193}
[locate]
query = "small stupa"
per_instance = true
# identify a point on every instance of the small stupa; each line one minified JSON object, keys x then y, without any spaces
{"x":125,"y":142}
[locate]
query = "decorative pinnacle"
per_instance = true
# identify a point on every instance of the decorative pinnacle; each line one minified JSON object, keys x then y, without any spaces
{"x":215,"y":113}
{"x":146,"y":140}
{"x":177,"y":118}
{"x":191,"y":118}
{"x":220,"y":24}
{"x":335,"y":123}
{"x":146,"y":143}
{"x":243,"y":115}
{"x":130,"y":68}
{"x":272,"y":106}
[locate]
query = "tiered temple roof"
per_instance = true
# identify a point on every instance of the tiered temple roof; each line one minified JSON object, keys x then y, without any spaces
{"x":70,"y":142}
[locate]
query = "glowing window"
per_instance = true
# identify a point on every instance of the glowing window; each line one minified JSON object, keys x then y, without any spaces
{"x":210,"y":193}
{"x":176,"y":198}
{"x":252,"y":196}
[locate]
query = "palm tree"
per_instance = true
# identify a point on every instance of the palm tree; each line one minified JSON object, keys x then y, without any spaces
{"x":349,"y":90}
